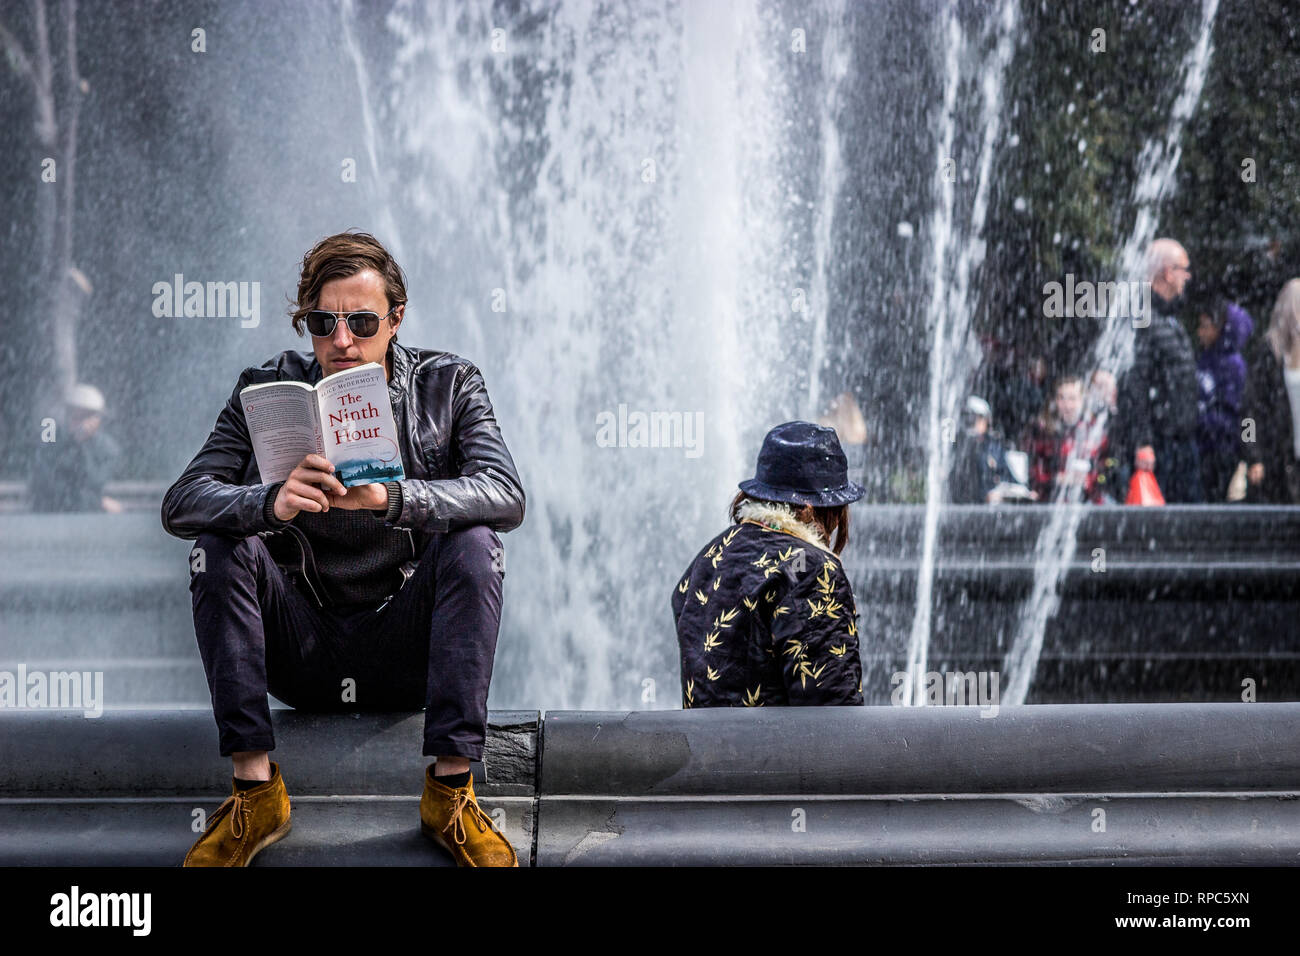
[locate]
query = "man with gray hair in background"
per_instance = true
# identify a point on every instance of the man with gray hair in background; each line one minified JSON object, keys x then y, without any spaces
{"x":1158,"y":395}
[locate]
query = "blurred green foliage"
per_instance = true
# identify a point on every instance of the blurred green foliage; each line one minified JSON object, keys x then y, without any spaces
{"x":1079,"y":120}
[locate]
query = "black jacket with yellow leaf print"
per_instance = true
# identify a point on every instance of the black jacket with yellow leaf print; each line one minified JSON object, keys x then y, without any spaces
{"x":765,"y":615}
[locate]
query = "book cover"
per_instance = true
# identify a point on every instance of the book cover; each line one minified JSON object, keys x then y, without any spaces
{"x":347,"y":417}
{"x":357,"y":427}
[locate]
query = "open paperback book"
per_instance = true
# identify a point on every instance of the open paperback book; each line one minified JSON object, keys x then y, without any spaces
{"x":346,"y":417}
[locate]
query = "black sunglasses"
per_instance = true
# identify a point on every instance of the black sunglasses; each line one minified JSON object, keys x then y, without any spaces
{"x":361,"y":324}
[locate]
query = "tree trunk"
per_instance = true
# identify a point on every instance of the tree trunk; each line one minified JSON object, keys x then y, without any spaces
{"x":57,"y":299}
{"x":67,"y":296}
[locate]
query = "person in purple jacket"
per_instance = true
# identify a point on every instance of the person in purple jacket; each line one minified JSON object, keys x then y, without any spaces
{"x":1221,"y":374}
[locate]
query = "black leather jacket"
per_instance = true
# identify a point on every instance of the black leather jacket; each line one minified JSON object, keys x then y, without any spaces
{"x":458,"y":469}
{"x":1158,"y":394}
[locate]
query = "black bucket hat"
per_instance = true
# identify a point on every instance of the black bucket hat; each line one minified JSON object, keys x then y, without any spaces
{"x":803,"y":463}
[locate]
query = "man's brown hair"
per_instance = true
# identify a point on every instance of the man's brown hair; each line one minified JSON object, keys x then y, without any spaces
{"x":338,"y":257}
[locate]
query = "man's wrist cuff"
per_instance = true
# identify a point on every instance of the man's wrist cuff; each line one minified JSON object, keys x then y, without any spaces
{"x":268,"y":508}
{"x":394,"y":502}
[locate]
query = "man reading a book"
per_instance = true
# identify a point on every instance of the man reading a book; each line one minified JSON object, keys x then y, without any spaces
{"x":381,"y":596}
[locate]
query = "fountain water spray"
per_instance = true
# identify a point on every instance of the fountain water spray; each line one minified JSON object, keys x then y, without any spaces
{"x":952,"y":356}
{"x":835,"y":66}
{"x":1055,"y":548}
{"x":614,"y":185}
{"x":387,"y":221}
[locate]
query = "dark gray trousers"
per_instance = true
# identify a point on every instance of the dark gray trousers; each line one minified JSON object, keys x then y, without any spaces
{"x":431,"y":647}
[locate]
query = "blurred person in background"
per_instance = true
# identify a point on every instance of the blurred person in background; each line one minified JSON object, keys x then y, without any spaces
{"x":1101,"y":409}
{"x":1065,"y":447}
{"x":1157,"y":398}
{"x":1222,"y":330}
{"x":981,"y":473}
{"x":844,"y":414}
{"x":1272,"y":404}
{"x":1103,"y":395}
{"x":70,"y":472}
{"x":1026,"y":395}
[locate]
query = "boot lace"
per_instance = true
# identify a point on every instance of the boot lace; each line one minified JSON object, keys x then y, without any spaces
{"x":464,"y":800}
{"x":234,"y":805}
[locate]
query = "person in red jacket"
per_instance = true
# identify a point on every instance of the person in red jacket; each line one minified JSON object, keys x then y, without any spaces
{"x":1066,"y":448}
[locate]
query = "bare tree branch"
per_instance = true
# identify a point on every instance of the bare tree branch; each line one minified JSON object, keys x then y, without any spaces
{"x":46,"y":127}
{"x":67,"y":301}
{"x":15,"y":49}
{"x":71,"y":111}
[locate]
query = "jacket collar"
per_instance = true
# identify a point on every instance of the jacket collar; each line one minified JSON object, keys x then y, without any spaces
{"x":311,"y":372}
{"x":772,"y":514}
{"x":400,"y":363}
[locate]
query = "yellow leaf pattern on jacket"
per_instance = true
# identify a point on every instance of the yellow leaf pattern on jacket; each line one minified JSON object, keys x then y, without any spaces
{"x":804,"y":670}
{"x":824,"y":582}
{"x":797,"y":643}
{"x":724,"y":619}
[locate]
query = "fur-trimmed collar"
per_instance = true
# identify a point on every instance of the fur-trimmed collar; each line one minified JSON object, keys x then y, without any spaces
{"x":773,"y":514}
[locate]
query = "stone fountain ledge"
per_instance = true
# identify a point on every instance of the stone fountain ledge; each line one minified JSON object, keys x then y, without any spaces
{"x":1203,"y":784}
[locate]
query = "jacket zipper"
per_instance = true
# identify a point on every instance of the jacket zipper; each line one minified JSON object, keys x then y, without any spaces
{"x":306,"y":575}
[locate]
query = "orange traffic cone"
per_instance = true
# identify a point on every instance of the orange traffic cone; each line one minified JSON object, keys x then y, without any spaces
{"x":1143,"y":488}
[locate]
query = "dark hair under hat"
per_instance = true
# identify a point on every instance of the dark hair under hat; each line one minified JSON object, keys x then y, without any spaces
{"x":802,"y":463}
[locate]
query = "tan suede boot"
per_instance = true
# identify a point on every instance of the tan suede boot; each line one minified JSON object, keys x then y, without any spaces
{"x":245,"y":824}
{"x":452,"y":818}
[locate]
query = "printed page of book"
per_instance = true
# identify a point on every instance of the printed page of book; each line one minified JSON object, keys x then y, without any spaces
{"x":282,"y":425}
{"x":357,"y":427}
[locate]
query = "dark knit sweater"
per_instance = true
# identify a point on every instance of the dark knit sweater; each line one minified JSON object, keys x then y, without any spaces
{"x":357,"y":556}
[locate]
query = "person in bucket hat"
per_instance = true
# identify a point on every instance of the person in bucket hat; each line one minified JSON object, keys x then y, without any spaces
{"x":765,"y":614}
